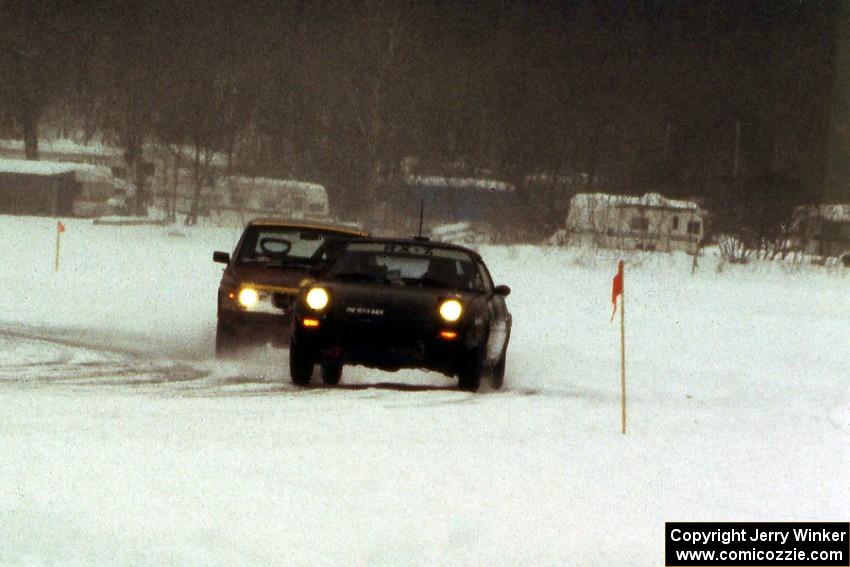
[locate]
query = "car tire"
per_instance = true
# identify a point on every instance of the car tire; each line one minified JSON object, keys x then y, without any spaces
{"x":300,"y":365}
{"x":331,"y":373}
{"x":226,"y":341}
{"x":499,"y":372}
{"x":471,"y":369}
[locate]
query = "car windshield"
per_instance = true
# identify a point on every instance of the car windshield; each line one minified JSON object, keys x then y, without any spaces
{"x":287,"y":246}
{"x":409,"y":264}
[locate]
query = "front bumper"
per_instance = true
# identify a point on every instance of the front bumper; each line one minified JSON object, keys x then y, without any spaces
{"x":269,"y":320}
{"x":427,"y":346}
{"x":258,"y":327}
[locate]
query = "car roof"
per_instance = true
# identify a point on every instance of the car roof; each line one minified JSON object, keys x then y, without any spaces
{"x":424,"y":242}
{"x":289,"y":223}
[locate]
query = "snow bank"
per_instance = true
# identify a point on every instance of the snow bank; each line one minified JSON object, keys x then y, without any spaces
{"x":37,"y":167}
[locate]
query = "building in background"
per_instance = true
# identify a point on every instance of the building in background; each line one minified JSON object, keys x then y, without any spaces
{"x":823,"y":230}
{"x":650,"y":222}
{"x":98,"y":189}
{"x":99,"y":169}
{"x":238,"y":198}
{"x":64,"y":150}
{"x":483,"y":204}
{"x":38,"y":188}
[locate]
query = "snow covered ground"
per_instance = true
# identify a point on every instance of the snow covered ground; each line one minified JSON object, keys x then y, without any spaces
{"x":122,"y":442}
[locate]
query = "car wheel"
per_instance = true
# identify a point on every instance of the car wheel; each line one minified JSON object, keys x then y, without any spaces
{"x":226,"y":341}
{"x":471,"y":369}
{"x":499,"y":371}
{"x":300,"y":365}
{"x":331,"y":372}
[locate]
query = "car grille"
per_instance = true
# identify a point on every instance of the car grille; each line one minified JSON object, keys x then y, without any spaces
{"x":365,"y":334}
{"x":385,"y":343}
{"x":283,"y":301}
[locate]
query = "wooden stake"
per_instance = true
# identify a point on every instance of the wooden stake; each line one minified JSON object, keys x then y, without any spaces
{"x":623,"y":351}
{"x":58,"y":237}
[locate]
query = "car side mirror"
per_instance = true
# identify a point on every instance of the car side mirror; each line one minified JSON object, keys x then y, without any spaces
{"x":221,"y":257}
{"x":502,"y":290}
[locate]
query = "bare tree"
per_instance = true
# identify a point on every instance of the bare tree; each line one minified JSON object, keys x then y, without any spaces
{"x":32,"y":62}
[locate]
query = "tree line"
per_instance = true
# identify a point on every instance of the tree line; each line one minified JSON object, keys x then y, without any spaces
{"x":724,"y":101}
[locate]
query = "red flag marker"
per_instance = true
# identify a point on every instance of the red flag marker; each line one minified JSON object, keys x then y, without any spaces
{"x":617,"y":288}
{"x":60,"y":227}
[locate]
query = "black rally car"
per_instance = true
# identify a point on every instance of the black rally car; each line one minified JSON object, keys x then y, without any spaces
{"x":402,"y":303}
{"x":271,"y":262}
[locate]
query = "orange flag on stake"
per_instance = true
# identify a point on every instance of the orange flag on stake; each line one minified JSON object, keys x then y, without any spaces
{"x":60,"y":227}
{"x":617,"y":288}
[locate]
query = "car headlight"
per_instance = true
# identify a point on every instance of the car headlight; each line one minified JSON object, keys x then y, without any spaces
{"x":248,"y":297}
{"x":317,"y":299}
{"x":450,"y":310}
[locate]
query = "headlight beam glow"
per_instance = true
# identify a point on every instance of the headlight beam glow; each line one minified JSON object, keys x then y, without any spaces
{"x":450,"y":310}
{"x":248,"y":297}
{"x":317,"y":299}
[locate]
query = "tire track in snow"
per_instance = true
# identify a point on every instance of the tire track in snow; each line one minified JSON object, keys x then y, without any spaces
{"x":46,"y":357}
{"x":34,"y":357}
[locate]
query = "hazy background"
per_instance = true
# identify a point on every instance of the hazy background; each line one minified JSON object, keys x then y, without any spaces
{"x":738,"y":103}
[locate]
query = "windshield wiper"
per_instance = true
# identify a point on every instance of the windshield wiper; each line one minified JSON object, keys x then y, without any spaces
{"x":288,"y":264}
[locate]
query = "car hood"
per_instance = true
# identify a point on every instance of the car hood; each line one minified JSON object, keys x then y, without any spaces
{"x":262,"y":275}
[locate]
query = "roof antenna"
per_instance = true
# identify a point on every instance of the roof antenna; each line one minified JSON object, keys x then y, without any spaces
{"x":421,"y":214}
